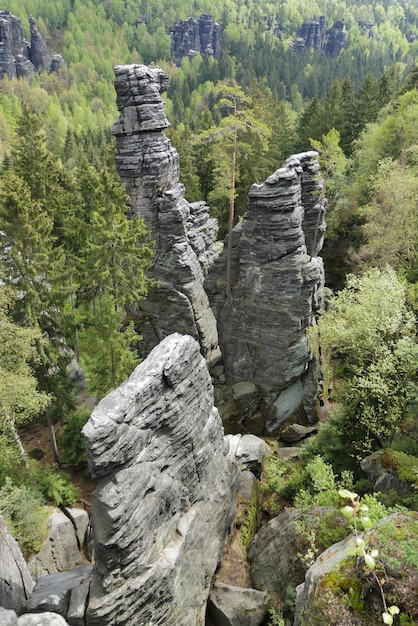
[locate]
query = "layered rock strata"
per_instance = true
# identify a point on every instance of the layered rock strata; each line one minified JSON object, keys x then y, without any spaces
{"x":191,"y":36}
{"x":16,"y":583}
{"x":277,"y":284}
{"x":18,"y":57}
{"x":184,"y":234}
{"x":162,"y":507}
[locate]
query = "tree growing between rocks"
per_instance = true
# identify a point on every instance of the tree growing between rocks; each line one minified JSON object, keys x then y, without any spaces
{"x":238,"y":140}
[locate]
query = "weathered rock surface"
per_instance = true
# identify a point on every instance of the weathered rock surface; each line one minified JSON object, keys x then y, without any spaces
{"x":191,"y":36}
{"x":54,"y":592}
{"x":276,"y":283}
{"x":296,"y":432}
{"x":325,"y":563}
{"x":184,"y":234}
{"x":62,"y":549}
{"x":16,"y":582}
{"x":316,"y":35}
{"x":18,"y":57}
{"x":249,"y":451}
{"x":166,"y":486}
{"x":237,"y":606}
{"x":273,"y":553}
{"x":382,"y":479}
{"x":9,"y":618}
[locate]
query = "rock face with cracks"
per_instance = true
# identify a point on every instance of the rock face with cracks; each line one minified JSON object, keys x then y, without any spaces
{"x":184,"y":235}
{"x":166,"y":485}
{"x":277,"y":283}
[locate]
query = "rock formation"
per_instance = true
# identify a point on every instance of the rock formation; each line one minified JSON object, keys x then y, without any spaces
{"x":166,"y":486}
{"x":316,"y":36}
{"x":184,"y":234}
{"x":16,"y":582}
{"x":19,"y":58}
{"x":62,"y":550}
{"x":277,"y":281}
{"x":191,"y":36}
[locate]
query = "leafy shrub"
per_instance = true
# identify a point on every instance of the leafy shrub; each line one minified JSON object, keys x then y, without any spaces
{"x":25,"y":515}
{"x":56,"y":487}
{"x":71,"y":440}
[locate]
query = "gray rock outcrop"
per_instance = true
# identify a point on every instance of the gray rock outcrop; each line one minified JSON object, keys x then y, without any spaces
{"x":191,"y":36}
{"x":9,"y":618}
{"x":382,"y":478}
{"x":16,"y":583}
{"x":18,"y":57}
{"x":315,"y":35}
{"x":166,"y":486}
{"x":325,"y":563}
{"x":277,"y":286}
{"x":237,"y":606}
{"x":184,"y":234}
{"x":64,"y":593}
{"x":62,"y":549}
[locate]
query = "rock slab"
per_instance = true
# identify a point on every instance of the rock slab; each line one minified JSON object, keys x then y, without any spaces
{"x":166,"y":486}
{"x":16,"y":582}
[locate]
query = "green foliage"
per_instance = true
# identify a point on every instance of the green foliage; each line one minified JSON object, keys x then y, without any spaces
{"x":70,"y":439}
{"x":55,"y":486}
{"x":368,"y":338}
{"x":275,"y":618}
{"x":405,"y":466}
{"x":24,"y":512}
{"x":108,"y":348}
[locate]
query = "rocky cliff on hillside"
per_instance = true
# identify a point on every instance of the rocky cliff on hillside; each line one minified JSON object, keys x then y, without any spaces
{"x":277,"y":284}
{"x":191,"y":36}
{"x":18,"y":57}
{"x":166,"y":486}
{"x":184,"y":234}
{"x":316,"y":35}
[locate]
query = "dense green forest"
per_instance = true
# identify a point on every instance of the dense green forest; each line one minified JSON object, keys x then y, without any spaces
{"x":64,"y":291}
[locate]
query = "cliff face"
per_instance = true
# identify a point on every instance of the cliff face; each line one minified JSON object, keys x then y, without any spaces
{"x":191,"y":36}
{"x":317,"y":36}
{"x":277,"y":281}
{"x":184,"y":234}
{"x":162,"y":507}
{"x":19,"y":58}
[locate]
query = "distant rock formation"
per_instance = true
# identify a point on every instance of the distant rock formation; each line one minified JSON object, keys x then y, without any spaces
{"x":19,"y":58}
{"x":277,"y":284}
{"x":166,"y":487}
{"x":190,"y":37}
{"x":316,"y":35}
{"x":184,"y":235}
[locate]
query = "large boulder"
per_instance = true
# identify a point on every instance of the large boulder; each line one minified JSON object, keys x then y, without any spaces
{"x":64,"y":593}
{"x":16,"y":582}
{"x":237,"y":606}
{"x":275,"y":553}
{"x":62,"y":549}
{"x":165,"y":495}
{"x":9,"y":618}
{"x":184,"y":234}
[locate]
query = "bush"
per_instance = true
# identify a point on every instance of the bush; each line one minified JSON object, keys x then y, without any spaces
{"x":55,"y":486}
{"x":25,"y":515}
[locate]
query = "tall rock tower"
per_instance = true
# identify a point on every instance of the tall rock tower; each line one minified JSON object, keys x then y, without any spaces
{"x":184,"y":234}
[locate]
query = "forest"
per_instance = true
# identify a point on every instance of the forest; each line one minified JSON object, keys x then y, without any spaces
{"x":72,"y":262}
